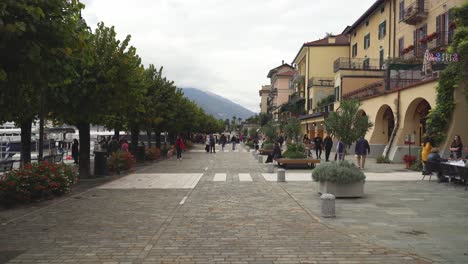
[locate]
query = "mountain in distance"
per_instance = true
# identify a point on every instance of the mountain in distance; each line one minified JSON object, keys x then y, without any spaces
{"x":217,"y":106}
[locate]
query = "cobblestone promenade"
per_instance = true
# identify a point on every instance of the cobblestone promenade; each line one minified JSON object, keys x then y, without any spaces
{"x":224,"y":208}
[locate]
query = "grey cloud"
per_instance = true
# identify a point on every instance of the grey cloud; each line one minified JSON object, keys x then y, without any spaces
{"x":226,"y":47}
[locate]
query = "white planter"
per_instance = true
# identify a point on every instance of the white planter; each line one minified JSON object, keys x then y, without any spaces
{"x":349,"y":190}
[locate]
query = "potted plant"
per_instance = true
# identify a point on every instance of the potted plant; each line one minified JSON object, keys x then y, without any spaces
{"x":409,"y":159}
{"x":342,"y":179}
{"x":295,"y":151}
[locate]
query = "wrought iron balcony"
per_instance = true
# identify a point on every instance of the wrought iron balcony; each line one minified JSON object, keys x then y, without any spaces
{"x":345,"y":63}
{"x":416,"y":12}
{"x":437,"y":41}
{"x":321,"y":81}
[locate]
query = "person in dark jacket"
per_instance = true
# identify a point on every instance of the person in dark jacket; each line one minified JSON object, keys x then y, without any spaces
{"x":361,"y":150}
{"x":75,"y":150}
{"x":180,"y":146}
{"x":222,"y":141}
{"x":318,"y":142}
{"x":328,"y":144}
{"x":433,"y":164}
{"x":212,"y":143}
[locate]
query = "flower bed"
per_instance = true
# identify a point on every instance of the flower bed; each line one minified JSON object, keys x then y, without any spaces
{"x":121,"y":161}
{"x":36,"y":181}
{"x":152,"y":153}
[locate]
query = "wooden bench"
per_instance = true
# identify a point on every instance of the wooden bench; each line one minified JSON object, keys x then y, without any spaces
{"x":265,"y":151}
{"x":308,"y":161}
{"x":6,"y":165}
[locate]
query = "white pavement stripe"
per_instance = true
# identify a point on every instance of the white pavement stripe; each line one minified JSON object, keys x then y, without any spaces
{"x":155,"y":181}
{"x":306,"y":176}
{"x":245,"y":177}
{"x":393,"y":176}
{"x":220,"y":177}
{"x":183,"y":200}
{"x":370,"y":176}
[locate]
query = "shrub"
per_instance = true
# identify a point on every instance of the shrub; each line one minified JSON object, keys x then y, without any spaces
{"x":295,"y":151}
{"x":341,"y":172}
{"x":36,"y":181}
{"x":152,"y":153}
{"x":250,"y":144}
{"x":382,"y":159}
{"x":121,"y":161}
{"x":416,"y":166}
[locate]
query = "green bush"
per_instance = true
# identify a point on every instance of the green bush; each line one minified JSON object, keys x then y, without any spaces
{"x":250,"y":144}
{"x":295,"y":151}
{"x":341,"y":172}
{"x":416,"y":166}
{"x":382,"y":159}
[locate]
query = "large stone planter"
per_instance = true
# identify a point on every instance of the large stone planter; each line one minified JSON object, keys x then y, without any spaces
{"x":342,"y":190}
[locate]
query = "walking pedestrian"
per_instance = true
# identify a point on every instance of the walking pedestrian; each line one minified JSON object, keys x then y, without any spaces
{"x":75,"y":150}
{"x":212,"y":144}
{"x":328,"y":144}
{"x":207,"y":144}
{"x":234,"y":141}
{"x":340,"y":150}
{"x":180,"y":146}
{"x":222,"y":141}
{"x":318,"y":142}
{"x":361,"y":150}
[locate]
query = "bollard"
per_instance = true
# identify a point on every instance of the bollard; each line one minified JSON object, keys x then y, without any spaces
{"x":281,"y":175}
{"x":270,"y":168}
{"x":260,"y":159}
{"x":327,"y":201}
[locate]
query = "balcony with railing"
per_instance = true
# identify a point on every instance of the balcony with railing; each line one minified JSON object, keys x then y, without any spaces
{"x":321,"y":82}
{"x":435,"y":42}
{"x":345,"y":63}
{"x":399,"y":79}
{"x":416,"y":12}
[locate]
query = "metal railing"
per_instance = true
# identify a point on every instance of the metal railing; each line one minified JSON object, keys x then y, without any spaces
{"x":416,"y":12}
{"x":345,"y":63}
{"x":321,"y":81}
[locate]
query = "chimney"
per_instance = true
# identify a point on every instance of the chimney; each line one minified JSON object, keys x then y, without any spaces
{"x":331,"y":40}
{"x":282,"y":62}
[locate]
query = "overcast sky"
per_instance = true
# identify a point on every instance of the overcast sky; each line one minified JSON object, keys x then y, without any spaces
{"x":226,"y":47}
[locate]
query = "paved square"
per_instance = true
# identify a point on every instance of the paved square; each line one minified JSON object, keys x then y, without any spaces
{"x":155,"y":181}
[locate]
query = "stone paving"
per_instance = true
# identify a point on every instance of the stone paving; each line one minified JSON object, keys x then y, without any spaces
{"x":222,"y":208}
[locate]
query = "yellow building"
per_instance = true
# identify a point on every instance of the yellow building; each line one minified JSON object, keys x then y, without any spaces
{"x":264,"y":93}
{"x":314,"y":79}
{"x":385,"y":71}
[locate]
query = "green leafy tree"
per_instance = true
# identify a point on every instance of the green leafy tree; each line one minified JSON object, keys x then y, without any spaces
{"x":347,"y":123}
{"x":270,"y":132}
{"x":292,"y":129}
{"x":36,"y":39}
{"x":450,"y":79}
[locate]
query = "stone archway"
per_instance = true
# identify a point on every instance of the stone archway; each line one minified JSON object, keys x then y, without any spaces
{"x":415,"y":119}
{"x":383,"y":125}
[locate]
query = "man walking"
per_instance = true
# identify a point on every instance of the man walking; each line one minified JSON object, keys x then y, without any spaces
{"x":212,"y":143}
{"x":234,"y":141}
{"x":318,"y":146}
{"x":328,"y":144}
{"x":361,"y":151}
{"x":222,"y":141}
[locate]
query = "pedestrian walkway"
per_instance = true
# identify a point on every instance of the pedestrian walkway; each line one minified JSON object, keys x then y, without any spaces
{"x":225,"y":208}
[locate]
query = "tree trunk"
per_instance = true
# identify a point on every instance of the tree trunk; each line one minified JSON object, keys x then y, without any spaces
{"x":148,"y":133}
{"x":134,"y":134}
{"x":117,"y":134}
{"x":26,"y":141}
{"x":84,"y":154}
{"x":158,"y":139}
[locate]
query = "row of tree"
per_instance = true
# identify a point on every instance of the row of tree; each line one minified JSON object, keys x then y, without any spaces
{"x":55,"y":67}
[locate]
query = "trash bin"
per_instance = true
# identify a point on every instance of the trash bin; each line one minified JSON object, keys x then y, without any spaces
{"x":100,"y":162}
{"x":140,"y":153}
